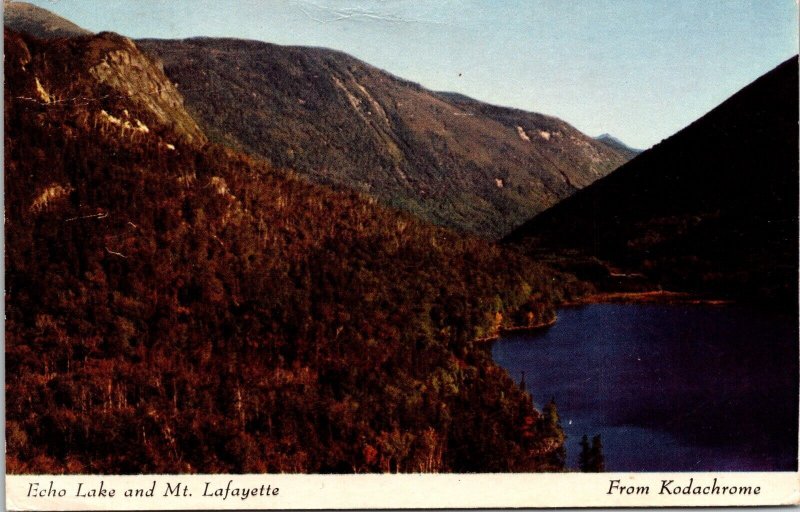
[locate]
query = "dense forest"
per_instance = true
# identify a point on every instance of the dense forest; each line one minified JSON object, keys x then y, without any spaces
{"x":175,"y":306}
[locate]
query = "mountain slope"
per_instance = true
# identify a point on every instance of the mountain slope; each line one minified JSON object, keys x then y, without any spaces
{"x":448,"y":159}
{"x":712,"y":209}
{"x":28,"y":18}
{"x":173,"y":306}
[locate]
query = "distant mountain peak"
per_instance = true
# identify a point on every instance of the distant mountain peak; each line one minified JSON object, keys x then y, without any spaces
{"x":28,"y":18}
{"x":613,"y":142}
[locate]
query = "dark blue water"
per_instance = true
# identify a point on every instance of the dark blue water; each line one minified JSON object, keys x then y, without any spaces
{"x":669,"y":388}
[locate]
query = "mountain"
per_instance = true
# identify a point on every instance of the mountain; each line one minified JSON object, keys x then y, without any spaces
{"x":713,"y":209}
{"x":616,"y":144}
{"x":173,"y":306}
{"x":446,"y":158}
{"x":25,"y":17}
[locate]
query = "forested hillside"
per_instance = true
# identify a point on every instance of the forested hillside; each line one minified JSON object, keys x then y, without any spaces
{"x":448,"y":159}
{"x":174,"y":306}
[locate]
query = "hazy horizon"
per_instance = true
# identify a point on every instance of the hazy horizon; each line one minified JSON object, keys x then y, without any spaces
{"x":639,"y":71}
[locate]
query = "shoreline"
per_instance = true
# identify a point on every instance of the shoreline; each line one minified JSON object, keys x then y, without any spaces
{"x":648,"y":297}
{"x":502,"y":331}
{"x":528,"y":328}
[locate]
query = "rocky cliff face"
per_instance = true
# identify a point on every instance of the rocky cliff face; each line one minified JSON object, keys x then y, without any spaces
{"x":142,"y":79}
{"x":446,"y":158}
{"x":112,"y":63}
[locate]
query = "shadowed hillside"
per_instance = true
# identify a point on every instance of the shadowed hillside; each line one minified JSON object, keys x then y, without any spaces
{"x":712,"y":209}
{"x":174,"y":306}
{"x":448,"y":159}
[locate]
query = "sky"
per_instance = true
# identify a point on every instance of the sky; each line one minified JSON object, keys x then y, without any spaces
{"x":638,"y":69}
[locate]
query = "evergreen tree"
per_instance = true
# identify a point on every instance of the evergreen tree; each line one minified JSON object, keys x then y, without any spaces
{"x":585,"y":457}
{"x":552,"y":431}
{"x":591,"y":458}
{"x":597,"y":458}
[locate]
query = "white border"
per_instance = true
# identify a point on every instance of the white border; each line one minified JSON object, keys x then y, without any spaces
{"x":429,"y":491}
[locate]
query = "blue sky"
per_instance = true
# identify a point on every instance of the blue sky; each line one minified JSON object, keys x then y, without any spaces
{"x":638,"y":69}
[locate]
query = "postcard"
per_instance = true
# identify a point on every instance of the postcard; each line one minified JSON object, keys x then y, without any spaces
{"x":392,"y":254}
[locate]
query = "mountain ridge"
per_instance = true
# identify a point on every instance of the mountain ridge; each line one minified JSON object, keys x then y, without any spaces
{"x":447,"y":158}
{"x":338,"y":120}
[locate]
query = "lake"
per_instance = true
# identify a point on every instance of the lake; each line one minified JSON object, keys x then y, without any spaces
{"x":668,"y":387}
